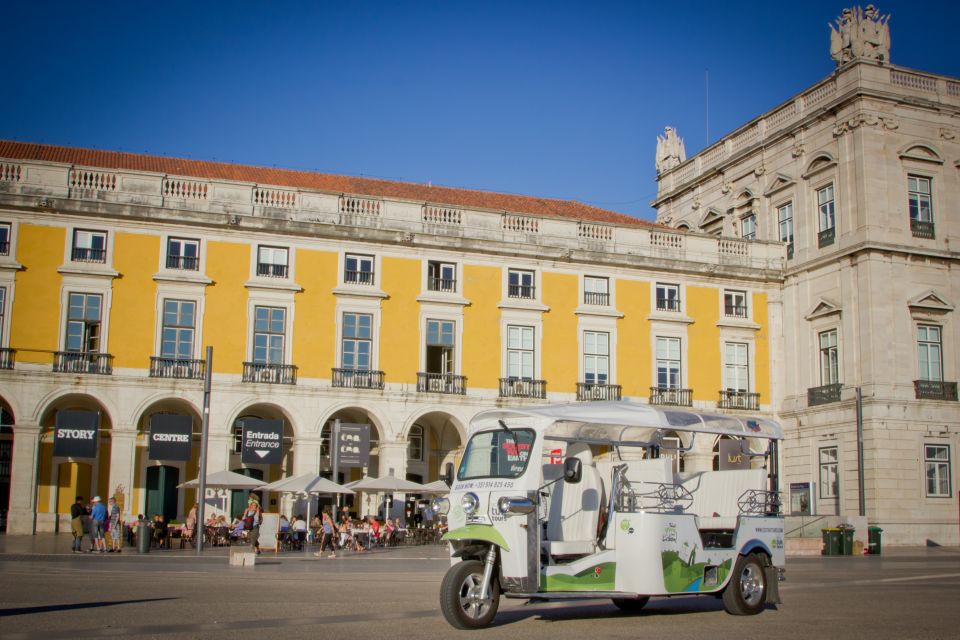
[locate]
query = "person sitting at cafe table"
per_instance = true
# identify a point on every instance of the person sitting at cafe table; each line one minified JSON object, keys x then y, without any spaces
{"x":299,"y":529}
{"x":284,"y":524}
{"x":315,"y":526}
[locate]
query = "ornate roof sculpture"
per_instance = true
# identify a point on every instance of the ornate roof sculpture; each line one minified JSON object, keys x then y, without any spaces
{"x":860,"y":35}
{"x":670,"y":150}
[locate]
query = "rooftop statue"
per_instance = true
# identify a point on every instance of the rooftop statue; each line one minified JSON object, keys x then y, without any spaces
{"x":670,"y":151}
{"x":860,"y":35}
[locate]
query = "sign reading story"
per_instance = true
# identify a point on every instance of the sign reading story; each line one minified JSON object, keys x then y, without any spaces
{"x":171,"y":437}
{"x":262,"y":441}
{"x":75,"y":434}
{"x":732,"y":455}
{"x":354,"y":445}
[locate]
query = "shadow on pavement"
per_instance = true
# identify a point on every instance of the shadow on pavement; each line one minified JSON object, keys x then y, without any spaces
{"x":19,"y":611}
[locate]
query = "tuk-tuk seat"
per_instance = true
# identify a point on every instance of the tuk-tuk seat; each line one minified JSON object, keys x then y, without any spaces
{"x":716,"y":495}
{"x":575,"y":509}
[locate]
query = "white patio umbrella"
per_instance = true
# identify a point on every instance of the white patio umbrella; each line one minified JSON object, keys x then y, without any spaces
{"x":437,"y":487}
{"x":387,"y":484}
{"x":225,"y":480}
{"x":306,"y":484}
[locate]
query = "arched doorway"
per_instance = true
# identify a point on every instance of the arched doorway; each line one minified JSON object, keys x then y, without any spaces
{"x":265,"y":472}
{"x":161,"y":494}
{"x":6,"y":459}
{"x":434,"y":446}
{"x":351,"y":415}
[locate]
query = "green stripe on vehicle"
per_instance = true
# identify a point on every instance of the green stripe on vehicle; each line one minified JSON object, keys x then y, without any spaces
{"x":601,"y":577}
{"x":484,"y":532}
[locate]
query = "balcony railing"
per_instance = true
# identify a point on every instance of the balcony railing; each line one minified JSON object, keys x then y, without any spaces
{"x":5,"y":248}
{"x":596,"y":298}
{"x":269,"y":373}
{"x":357,"y":379}
{"x":83,"y":362}
{"x":735,"y":310}
{"x":668,"y":304}
{"x":270,"y":270}
{"x":442,"y":284}
{"x":789,"y":251}
{"x":6,"y":358}
{"x":183,"y":263}
{"x":826,"y":237}
{"x":179,"y":368}
{"x":597,"y":391}
{"x":523,"y":388}
{"x":921,"y":229}
{"x":734,"y":399}
{"x":823,"y":395}
{"x":935,"y":390}
{"x":358,"y":277}
{"x":522,"y":291}
{"x":86,"y":254}
{"x":671,"y":396}
{"x":441,"y":383}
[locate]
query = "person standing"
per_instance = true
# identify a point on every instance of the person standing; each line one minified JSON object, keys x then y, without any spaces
{"x":252,"y":519}
{"x":98,"y":517}
{"x":115,"y":527}
{"x":77,"y":514}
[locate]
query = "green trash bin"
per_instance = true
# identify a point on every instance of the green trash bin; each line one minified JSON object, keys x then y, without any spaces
{"x":846,"y":541}
{"x":831,"y":542}
{"x":874,"y":538}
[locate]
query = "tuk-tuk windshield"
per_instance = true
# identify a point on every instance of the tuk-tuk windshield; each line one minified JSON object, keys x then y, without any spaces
{"x":496,"y":454}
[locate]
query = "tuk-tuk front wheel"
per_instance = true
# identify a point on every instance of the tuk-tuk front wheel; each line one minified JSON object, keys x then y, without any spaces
{"x":631,"y":605}
{"x":461,"y":600}
{"x":746,"y":593}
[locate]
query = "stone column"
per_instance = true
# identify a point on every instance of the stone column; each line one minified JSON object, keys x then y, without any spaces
{"x":123,"y":450}
{"x":23,"y":477}
{"x":306,"y":458}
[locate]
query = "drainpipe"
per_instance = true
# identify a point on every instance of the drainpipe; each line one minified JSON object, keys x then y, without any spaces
{"x":860,"y":481}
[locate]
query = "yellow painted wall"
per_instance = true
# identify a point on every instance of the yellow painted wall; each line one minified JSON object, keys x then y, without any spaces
{"x":103,"y":471}
{"x":481,"y":327}
{"x":35,"y":318}
{"x":73,"y":480}
{"x":315,"y":330}
{"x":633,"y":339}
{"x":46,"y":468}
{"x":225,"y":311}
{"x":761,"y":358}
{"x":560,"y":351}
{"x":399,"y":320}
{"x":704,"y":350}
{"x":133,"y":310}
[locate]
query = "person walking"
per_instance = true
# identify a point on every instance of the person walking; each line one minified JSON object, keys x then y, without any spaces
{"x":77,"y":514}
{"x":115,"y":527}
{"x":98,"y":517}
{"x":327,"y":535}
{"x":252,"y":519}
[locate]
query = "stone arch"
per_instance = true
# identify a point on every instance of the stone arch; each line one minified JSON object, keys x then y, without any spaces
{"x":923,"y":151}
{"x":454,"y":420}
{"x":145,"y":406}
{"x":435,"y":439}
{"x":821,"y":160}
{"x":243,"y":408}
{"x":55,"y":399}
{"x":376,"y":420}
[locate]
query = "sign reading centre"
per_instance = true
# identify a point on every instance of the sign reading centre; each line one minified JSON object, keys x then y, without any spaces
{"x":171,"y":437}
{"x":75,"y":434}
{"x":262,"y":441}
{"x":354,"y":445}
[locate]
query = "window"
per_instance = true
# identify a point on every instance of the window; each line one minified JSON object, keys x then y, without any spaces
{"x":83,"y":322}
{"x":176,"y":339}
{"x":918,"y":198}
{"x":596,"y":357}
{"x":930,"y":352}
{"x":825,"y":205}
{"x":936,"y":458}
{"x":596,"y":291}
{"x":272,"y":262}
{"x":736,"y":368}
{"x":668,"y":363}
{"x":668,"y":297}
{"x":520,"y":284}
{"x":89,"y":246}
{"x":440,"y":346}
{"x":357,"y":343}
{"x":4,"y":238}
{"x":829,"y":363}
{"x":183,"y":254}
{"x":268,"y":335}
{"x":748,"y":227}
{"x":735,"y":304}
{"x":415,"y":443}
{"x":520,"y":352}
{"x":358,"y":269}
{"x":829,"y":472}
{"x":3,"y":309}
{"x":785,"y":223}
{"x":441,"y":276}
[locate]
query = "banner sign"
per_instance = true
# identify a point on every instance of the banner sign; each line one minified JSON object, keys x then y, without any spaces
{"x":75,"y":434}
{"x":732,"y":456}
{"x":171,"y":437}
{"x":262,"y":441}
{"x":354,"y":445}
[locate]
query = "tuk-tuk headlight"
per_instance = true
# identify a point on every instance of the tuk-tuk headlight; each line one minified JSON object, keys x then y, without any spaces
{"x":470,"y":503}
{"x":441,"y":506}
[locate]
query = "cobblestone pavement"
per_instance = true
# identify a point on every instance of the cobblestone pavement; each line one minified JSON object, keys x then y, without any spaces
{"x":46,"y":592}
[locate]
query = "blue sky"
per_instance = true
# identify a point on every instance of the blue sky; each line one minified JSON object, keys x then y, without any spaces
{"x":559,"y":99}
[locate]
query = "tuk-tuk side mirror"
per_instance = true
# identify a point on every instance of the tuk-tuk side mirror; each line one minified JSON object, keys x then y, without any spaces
{"x":572,"y":470}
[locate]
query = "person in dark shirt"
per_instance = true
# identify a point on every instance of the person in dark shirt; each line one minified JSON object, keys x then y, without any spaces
{"x":77,"y":513}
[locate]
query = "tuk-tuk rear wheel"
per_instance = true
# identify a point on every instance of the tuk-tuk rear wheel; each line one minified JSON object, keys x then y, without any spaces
{"x":631,"y":605}
{"x":460,"y":598}
{"x":746,"y":593}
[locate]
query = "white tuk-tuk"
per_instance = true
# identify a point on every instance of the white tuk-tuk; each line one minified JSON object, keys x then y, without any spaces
{"x":581,"y":501}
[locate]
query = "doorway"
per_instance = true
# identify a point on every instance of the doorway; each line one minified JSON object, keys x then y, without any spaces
{"x":238,"y":497}
{"x":162,"y":492}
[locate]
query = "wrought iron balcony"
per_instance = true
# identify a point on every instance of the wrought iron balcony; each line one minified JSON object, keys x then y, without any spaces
{"x":522,"y":291}
{"x":441,"y":383}
{"x":447,"y":285}
{"x":735,"y":310}
{"x":183,"y":263}
{"x":668,"y":304}
{"x":270,"y":270}
{"x":523,"y":388}
{"x":734,"y":399}
{"x":823,"y":395}
{"x":789,"y":251}
{"x":826,"y":237}
{"x":596,"y":298}
{"x":597,"y":391}
{"x":269,"y":373}
{"x":357,"y":379}
{"x":935,"y":390}
{"x":358,"y":277}
{"x":178,"y":368}
{"x":82,"y":362}
{"x":671,"y":396}
{"x":921,"y":229}
{"x":6,"y":358}
{"x":86,"y":254}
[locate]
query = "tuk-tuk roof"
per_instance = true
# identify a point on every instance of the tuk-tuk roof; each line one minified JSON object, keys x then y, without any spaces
{"x":626,"y":421}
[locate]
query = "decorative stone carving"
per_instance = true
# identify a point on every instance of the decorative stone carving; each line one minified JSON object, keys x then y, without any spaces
{"x":798,"y":150}
{"x":670,"y":150}
{"x":948,"y":134}
{"x":860,"y":34}
{"x":726,"y":188}
{"x":696,"y":204}
{"x":865,"y":119}
{"x":759,"y":171}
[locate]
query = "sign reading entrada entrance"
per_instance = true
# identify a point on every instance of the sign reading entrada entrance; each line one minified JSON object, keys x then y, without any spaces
{"x":171,"y":437}
{"x":75,"y":434}
{"x":262,"y":441}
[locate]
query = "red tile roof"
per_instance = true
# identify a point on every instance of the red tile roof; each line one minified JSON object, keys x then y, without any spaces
{"x":309,"y":180}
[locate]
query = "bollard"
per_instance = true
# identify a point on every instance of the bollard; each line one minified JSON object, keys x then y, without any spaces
{"x":143,"y":537}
